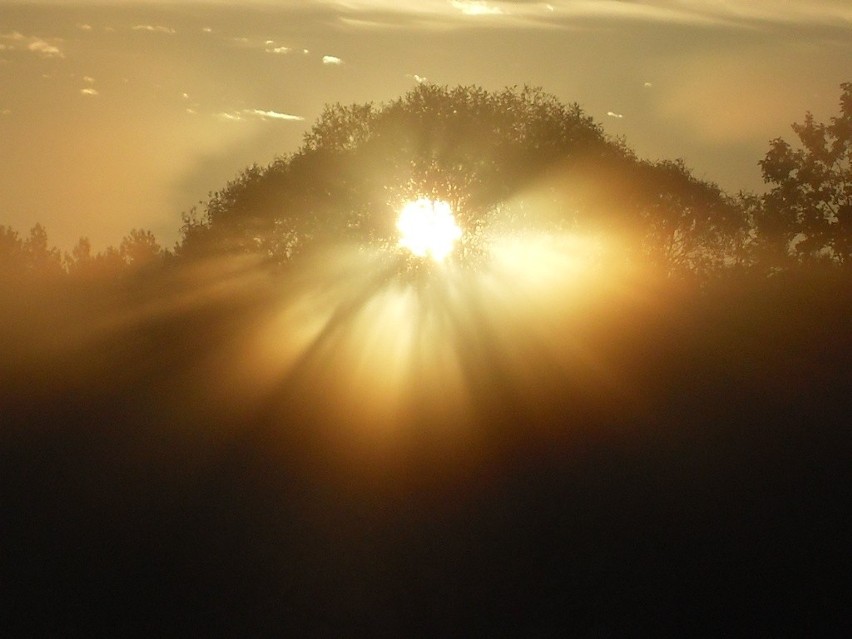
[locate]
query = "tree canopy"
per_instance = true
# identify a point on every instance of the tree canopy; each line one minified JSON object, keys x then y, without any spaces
{"x":517,"y":156}
{"x":487,"y":154}
{"x":808,"y":211}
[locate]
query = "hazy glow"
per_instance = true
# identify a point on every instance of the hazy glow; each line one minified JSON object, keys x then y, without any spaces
{"x":427,"y":228}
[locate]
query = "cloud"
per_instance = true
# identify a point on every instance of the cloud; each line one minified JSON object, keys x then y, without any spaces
{"x":45,"y":49}
{"x":236,"y":116}
{"x":271,"y":47}
{"x":154,"y":28}
{"x":837,"y":13}
{"x":331,"y":59}
{"x":273,"y":115}
{"x":16,"y":41}
{"x":613,"y":114}
{"x":84,"y":27}
{"x":89,"y":91}
{"x":476,"y":8}
{"x":89,"y":79}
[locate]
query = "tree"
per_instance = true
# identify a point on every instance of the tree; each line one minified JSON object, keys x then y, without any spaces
{"x":688,"y":225}
{"x":808,"y":211}
{"x":140,"y":248}
{"x":517,"y":153}
{"x":11,"y":249}
{"x":40,"y":258}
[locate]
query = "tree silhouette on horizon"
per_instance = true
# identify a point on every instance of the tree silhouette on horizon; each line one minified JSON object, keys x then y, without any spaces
{"x":807,"y":213}
{"x":517,"y":154}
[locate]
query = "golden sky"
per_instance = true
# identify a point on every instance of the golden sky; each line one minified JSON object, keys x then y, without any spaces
{"x":121,"y":115}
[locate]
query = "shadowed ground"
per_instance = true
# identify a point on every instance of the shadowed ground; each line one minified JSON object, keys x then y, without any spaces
{"x":150,"y":483}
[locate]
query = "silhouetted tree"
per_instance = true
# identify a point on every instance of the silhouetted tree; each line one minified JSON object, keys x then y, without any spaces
{"x":40,"y":256}
{"x":30,"y":256}
{"x":140,"y":248}
{"x":808,"y":211}
{"x":11,"y":249}
{"x":34,"y":257}
{"x":112,"y":262}
{"x":81,"y":260}
{"x":689,"y":225}
{"x":519,"y":152}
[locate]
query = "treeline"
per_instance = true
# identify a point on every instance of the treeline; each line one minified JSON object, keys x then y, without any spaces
{"x":32,"y":255}
{"x":516,"y":157}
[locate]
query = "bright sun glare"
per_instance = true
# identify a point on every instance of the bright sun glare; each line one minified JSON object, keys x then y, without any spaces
{"x":427,"y":227}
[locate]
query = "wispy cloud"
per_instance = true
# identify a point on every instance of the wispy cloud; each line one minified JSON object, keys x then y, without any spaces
{"x":615,"y":115}
{"x":236,"y":116}
{"x":89,"y":91}
{"x":273,"y":115}
{"x":154,"y":28}
{"x":273,"y":47}
{"x":564,"y":12}
{"x":45,"y":48}
{"x":331,"y":59}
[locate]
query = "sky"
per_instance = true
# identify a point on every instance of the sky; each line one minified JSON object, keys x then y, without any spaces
{"x":121,"y":115}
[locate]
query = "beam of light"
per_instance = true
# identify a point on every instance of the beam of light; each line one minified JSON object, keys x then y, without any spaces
{"x":378,"y":356}
{"x":371,"y":355}
{"x":427,"y":228}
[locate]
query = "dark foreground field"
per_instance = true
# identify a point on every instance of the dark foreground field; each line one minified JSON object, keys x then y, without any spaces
{"x":684,"y":463}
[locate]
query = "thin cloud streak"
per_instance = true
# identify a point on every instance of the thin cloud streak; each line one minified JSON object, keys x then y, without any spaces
{"x":45,"y":48}
{"x":154,"y":28}
{"x":273,"y":115}
{"x":837,"y":13}
{"x":238,"y":116}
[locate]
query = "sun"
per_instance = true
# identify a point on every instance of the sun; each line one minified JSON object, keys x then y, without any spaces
{"x":427,"y":228}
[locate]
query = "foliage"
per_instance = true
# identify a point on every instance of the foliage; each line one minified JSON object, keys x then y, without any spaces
{"x":689,"y":225}
{"x":28,"y":256}
{"x":483,"y":152}
{"x":808,"y":211}
{"x":33,"y":257}
{"x":517,"y":156}
{"x":139,"y":249}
